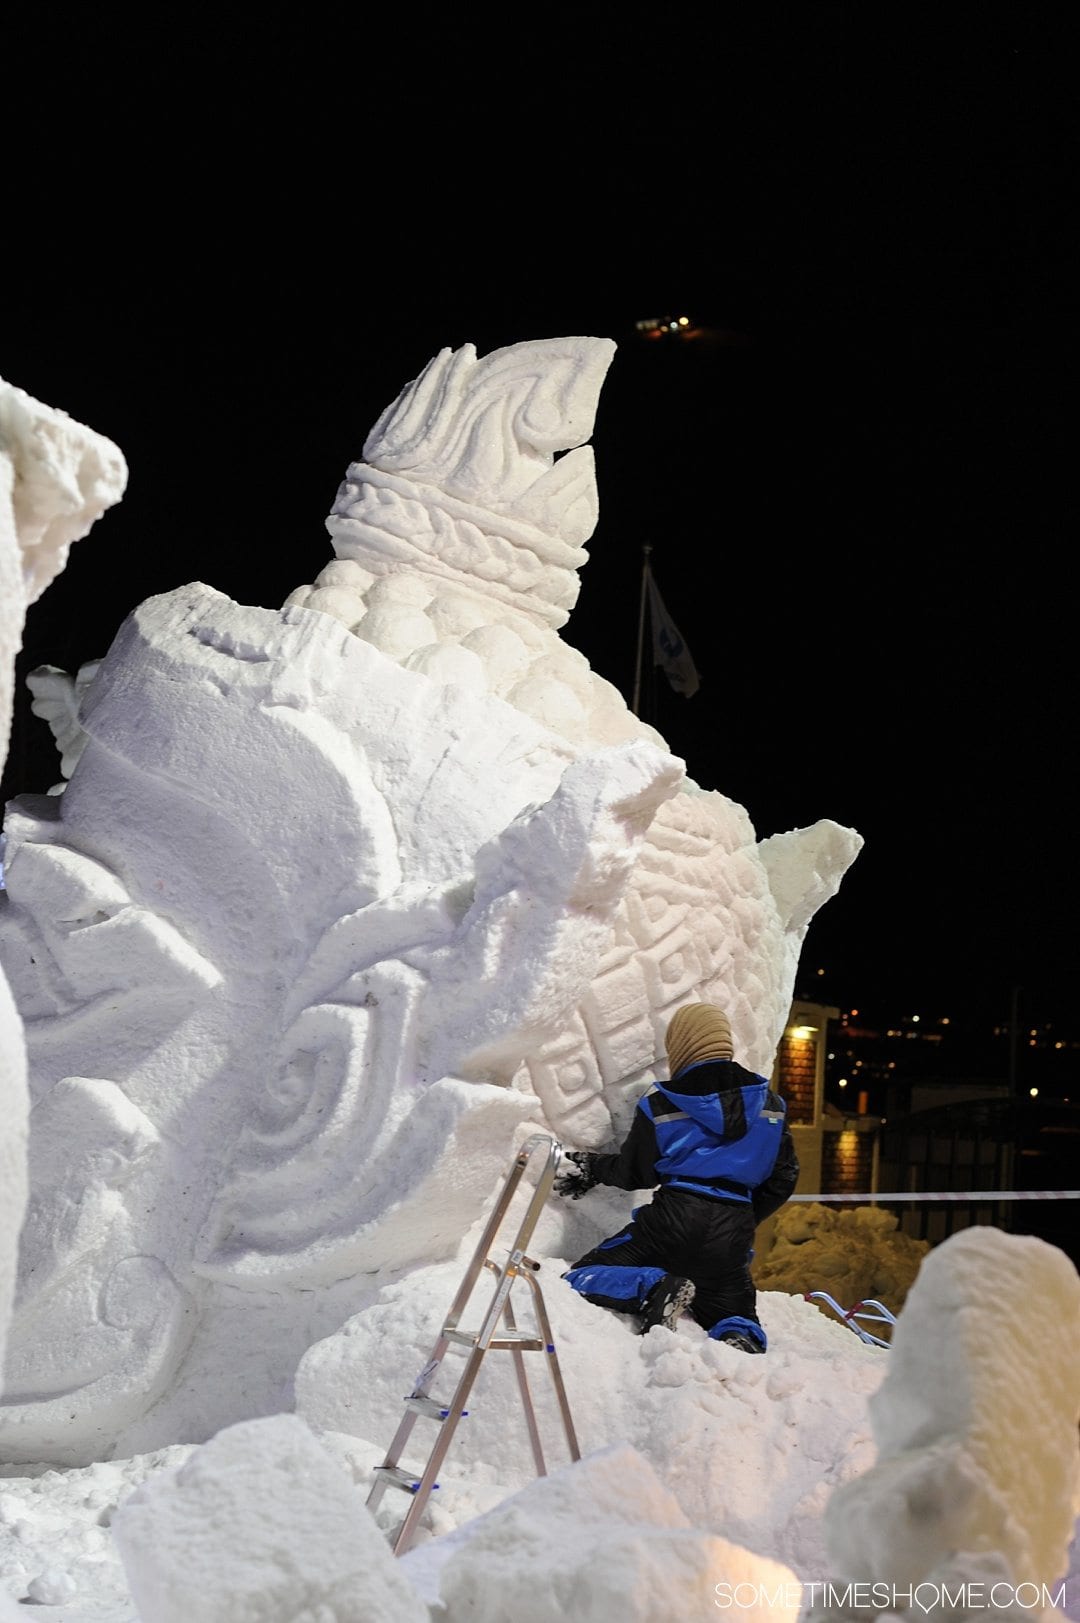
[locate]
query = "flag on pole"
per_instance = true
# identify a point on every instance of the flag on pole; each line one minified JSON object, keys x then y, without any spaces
{"x":669,"y":650}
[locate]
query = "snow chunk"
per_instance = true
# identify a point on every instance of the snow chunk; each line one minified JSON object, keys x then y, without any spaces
{"x":601,"y":1539}
{"x":274,"y":1530}
{"x":975,"y":1421}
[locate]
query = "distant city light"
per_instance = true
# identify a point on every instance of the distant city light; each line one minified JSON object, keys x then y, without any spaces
{"x":821,"y":972}
{"x":658,"y":326}
{"x":842,"y":1082}
{"x":915,"y":1019}
{"x":1034,"y":1092}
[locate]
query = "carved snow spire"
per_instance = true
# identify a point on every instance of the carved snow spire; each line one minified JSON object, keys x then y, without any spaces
{"x":462,"y":476}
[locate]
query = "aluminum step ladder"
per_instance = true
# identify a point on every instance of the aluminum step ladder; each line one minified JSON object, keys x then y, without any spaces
{"x":498,"y":1332}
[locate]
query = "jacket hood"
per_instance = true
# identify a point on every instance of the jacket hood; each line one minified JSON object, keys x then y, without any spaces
{"x":719,"y":1094}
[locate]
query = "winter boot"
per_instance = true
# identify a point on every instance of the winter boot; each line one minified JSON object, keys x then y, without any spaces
{"x":668,"y":1298}
{"x":735,"y":1338}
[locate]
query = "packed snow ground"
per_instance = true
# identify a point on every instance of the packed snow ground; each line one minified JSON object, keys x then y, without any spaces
{"x":748,"y":1449}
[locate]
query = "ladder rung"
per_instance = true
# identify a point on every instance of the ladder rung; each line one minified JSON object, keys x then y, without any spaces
{"x":397,"y":1477}
{"x":523,"y":1340}
{"x":430,"y":1407}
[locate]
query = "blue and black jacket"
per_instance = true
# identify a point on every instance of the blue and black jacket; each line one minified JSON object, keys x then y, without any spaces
{"x":715,"y":1129}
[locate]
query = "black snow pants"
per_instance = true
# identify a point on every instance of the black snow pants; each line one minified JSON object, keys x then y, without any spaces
{"x":707,"y":1240}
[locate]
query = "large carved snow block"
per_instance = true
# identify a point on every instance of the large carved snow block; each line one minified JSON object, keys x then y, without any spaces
{"x":56,"y":479}
{"x":332,"y":900}
{"x":291,"y":896}
{"x":977,"y":1473}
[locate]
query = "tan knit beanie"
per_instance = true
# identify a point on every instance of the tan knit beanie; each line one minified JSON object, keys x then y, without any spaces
{"x":696,"y":1033}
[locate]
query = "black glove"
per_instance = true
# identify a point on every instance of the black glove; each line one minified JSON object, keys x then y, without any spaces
{"x":575,"y":1184}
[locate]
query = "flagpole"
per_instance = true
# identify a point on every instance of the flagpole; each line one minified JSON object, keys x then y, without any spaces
{"x":645,"y":551}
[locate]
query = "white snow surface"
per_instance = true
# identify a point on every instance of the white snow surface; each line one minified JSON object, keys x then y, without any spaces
{"x":701,"y":1466}
{"x":310,"y":1553}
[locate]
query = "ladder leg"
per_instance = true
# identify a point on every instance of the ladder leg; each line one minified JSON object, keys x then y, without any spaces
{"x":536,"y":1205}
{"x":457,"y":1403}
{"x":553,"y":1364}
{"x":407,"y":1422}
{"x":526,"y":1398}
{"x":499,"y":1306}
{"x":472,"y":1273}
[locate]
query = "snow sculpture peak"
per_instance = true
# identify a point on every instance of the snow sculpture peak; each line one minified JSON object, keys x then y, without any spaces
{"x":59,"y":477}
{"x":469,"y":450}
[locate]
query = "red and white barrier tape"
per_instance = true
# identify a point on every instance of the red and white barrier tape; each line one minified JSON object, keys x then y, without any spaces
{"x":950,"y":1194}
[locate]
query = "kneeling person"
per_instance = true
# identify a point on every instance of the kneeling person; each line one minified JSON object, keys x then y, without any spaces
{"x":716,"y":1141}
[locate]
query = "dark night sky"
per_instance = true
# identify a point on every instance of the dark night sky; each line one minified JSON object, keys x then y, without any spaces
{"x":228,"y":251}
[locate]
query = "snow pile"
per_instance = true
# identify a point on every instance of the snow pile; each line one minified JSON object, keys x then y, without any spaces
{"x":310,"y":1553}
{"x":56,"y":1532}
{"x":601,"y":1539}
{"x":852,"y":1254}
{"x":750,"y":1450}
{"x":747,"y":1448}
{"x":745,"y":1445}
{"x":976,"y":1424}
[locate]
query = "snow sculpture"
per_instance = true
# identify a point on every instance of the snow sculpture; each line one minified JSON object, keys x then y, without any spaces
{"x":458,"y":544}
{"x":322,"y":915}
{"x":977,"y":1478}
{"x":56,"y":478}
{"x":257,"y":947}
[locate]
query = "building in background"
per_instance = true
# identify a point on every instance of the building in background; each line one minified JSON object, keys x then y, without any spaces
{"x":837,"y":1147}
{"x":920,"y":1107}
